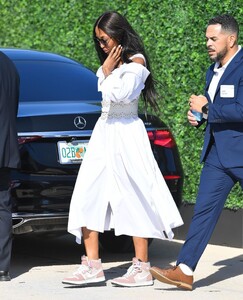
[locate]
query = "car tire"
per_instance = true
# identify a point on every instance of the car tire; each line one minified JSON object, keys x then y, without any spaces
{"x":117,"y":244}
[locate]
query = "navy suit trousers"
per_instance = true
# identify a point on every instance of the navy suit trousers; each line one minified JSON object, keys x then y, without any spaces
{"x":5,"y":220}
{"x":215,"y":185}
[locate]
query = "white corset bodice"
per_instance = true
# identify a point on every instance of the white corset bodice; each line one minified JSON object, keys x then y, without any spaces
{"x":118,"y":110}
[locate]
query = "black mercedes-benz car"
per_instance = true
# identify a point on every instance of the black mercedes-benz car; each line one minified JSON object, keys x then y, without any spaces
{"x":59,"y":106}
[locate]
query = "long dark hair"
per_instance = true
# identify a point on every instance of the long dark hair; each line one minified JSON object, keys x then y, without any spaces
{"x":117,"y":27}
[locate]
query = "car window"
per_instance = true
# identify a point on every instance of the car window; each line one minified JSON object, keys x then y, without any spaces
{"x":56,"y":81}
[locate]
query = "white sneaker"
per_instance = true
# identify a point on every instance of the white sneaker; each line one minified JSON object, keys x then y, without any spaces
{"x":137,"y":275}
{"x":90,"y":271}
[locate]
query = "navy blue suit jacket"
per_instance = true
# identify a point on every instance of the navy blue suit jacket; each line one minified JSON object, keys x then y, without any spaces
{"x":225,"y":116}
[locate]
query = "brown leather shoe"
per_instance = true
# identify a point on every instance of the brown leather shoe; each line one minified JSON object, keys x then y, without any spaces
{"x":173,"y":276}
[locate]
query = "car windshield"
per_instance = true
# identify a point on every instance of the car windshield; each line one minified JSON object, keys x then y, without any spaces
{"x":56,"y":81}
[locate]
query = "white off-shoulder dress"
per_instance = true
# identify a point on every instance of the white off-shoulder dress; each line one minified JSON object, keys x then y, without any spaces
{"x":119,"y":184}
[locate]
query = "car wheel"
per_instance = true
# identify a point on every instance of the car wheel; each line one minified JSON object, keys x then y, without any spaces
{"x":117,"y":244}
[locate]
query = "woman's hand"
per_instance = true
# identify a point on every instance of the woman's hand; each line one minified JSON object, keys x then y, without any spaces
{"x":112,"y":60}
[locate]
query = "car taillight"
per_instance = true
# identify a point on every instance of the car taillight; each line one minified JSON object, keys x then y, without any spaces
{"x":161,"y":138}
{"x":28,"y":139}
{"x":171,"y":177}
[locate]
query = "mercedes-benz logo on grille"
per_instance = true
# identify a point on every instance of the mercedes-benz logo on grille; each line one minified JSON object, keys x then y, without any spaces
{"x":79,"y":122}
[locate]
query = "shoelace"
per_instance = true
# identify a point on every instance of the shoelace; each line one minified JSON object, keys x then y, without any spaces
{"x":132,"y":270}
{"x":83,"y":269}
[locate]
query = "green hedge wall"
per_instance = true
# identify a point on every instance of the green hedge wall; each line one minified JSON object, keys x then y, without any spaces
{"x":173,"y":34}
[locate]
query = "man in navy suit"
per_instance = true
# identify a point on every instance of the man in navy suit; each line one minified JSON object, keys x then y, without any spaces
{"x":9,"y":156}
{"x":222,"y":154}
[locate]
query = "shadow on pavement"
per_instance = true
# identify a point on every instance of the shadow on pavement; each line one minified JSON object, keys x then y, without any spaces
{"x":38,"y":250}
{"x":33,"y":250}
{"x":230,"y":268}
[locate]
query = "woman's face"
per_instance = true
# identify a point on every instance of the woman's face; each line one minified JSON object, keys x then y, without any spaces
{"x":105,"y":41}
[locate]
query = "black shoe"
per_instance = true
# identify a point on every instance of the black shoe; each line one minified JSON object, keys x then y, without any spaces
{"x":4,"y":276}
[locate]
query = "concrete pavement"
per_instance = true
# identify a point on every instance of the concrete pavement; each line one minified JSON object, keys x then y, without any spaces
{"x":38,"y":267}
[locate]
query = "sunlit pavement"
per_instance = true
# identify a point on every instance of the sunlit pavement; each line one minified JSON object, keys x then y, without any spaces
{"x":39,"y":264}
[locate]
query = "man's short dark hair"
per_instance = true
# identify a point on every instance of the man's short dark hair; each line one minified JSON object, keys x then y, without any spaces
{"x":228,"y":23}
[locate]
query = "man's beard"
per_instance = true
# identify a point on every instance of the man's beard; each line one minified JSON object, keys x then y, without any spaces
{"x":220,"y":56}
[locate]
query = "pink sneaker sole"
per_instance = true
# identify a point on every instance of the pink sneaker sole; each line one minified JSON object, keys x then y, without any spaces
{"x":134,"y":284}
{"x":81,"y":282}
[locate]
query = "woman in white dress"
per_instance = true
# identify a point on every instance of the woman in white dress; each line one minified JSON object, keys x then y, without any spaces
{"x":119,"y":184}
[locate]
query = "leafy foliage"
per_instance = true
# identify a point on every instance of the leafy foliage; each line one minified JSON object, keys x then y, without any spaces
{"x":173,"y":34}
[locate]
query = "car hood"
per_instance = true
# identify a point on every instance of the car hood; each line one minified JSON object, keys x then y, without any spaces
{"x":43,"y":108}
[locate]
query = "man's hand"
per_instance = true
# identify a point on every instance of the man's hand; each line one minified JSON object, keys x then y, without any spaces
{"x":197,"y":102}
{"x":112,"y":60}
{"x":191,"y":118}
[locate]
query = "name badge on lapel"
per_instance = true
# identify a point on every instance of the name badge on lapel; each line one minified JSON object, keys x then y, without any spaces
{"x":227,"y":91}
